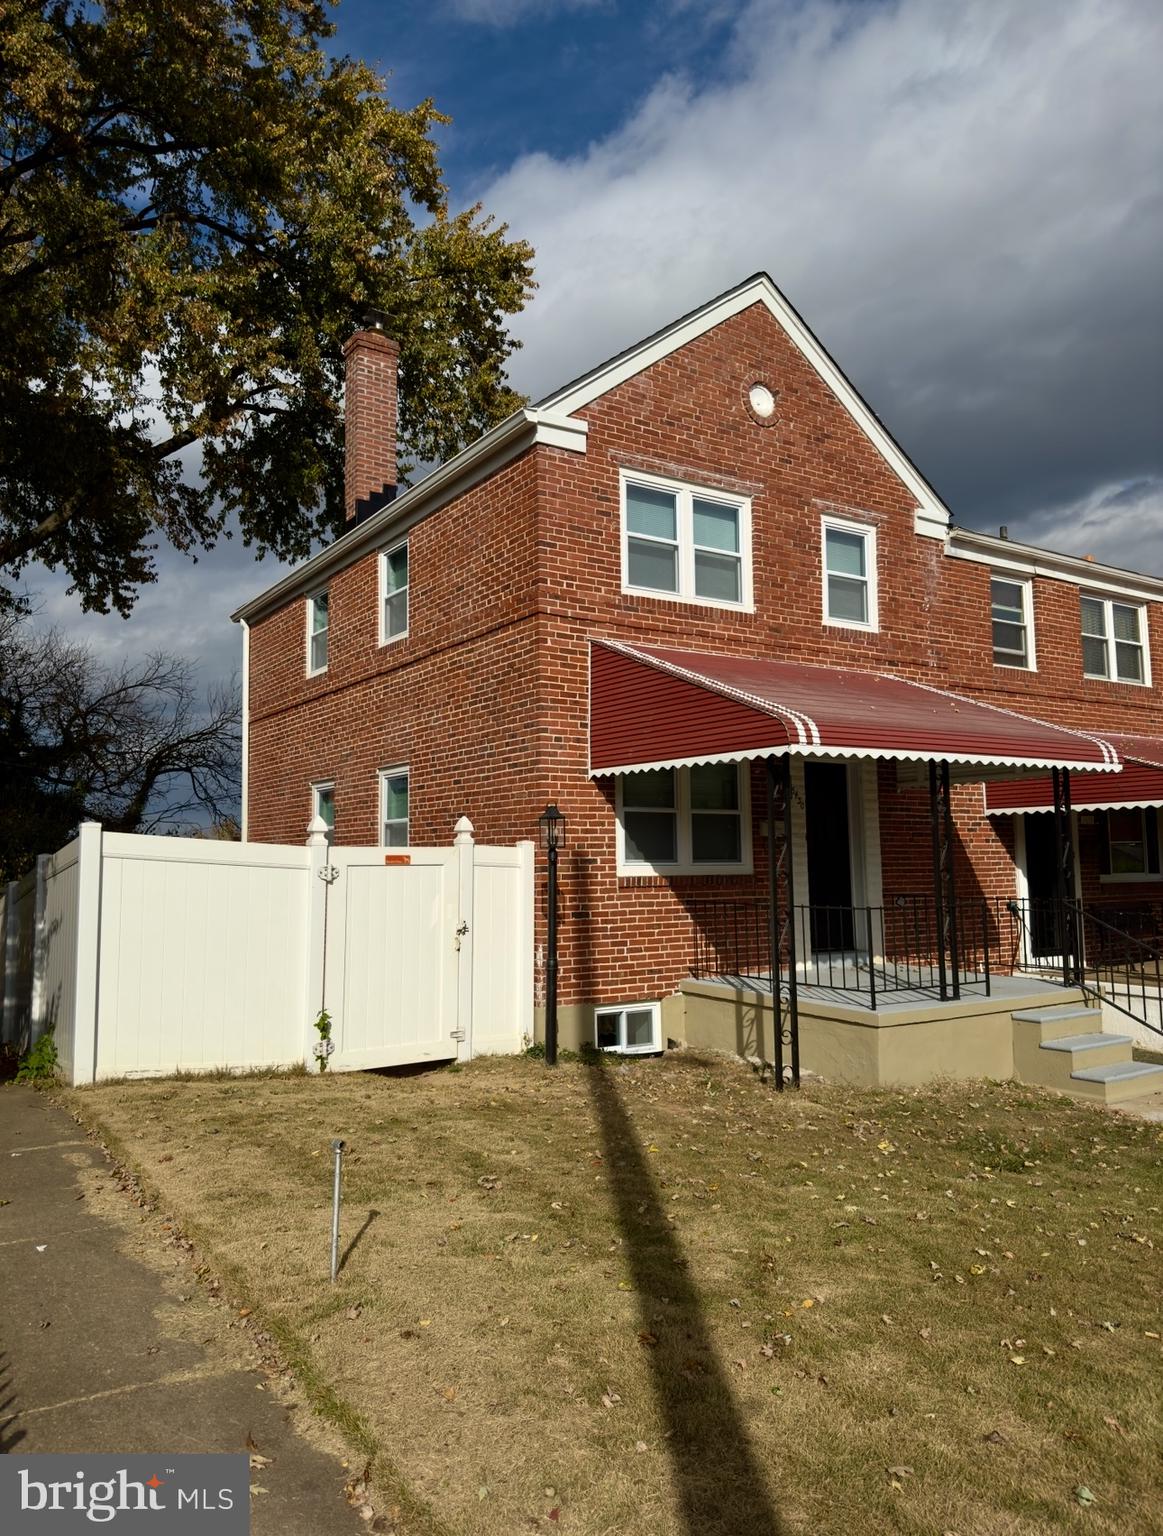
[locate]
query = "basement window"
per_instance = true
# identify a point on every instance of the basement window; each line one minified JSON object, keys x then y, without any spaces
{"x":629,"y":1029}
{"x":317,"y":629}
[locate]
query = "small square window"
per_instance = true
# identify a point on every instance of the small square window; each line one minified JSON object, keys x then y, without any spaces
{"x":394,"y":808}
{"x":394,"y":594}
{"x":849,"y":574}
{"x":629,"y":1030}
{"x":317,"y":628}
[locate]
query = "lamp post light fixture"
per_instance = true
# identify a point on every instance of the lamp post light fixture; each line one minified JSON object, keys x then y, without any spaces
{"x":551,"y":825}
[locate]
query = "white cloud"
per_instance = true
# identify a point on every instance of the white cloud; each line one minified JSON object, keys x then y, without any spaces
{"x":965,"y":202}
{"x":1123,"y":522}
{"x":506,"y":13}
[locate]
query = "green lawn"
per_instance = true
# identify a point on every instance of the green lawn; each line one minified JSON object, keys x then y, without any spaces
{"x":661,"y":1298}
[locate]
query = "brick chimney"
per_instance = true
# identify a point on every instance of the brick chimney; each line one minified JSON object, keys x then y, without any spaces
{"x":371,"y":361}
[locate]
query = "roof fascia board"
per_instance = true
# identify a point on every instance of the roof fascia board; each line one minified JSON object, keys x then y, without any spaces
{"x":1028,"y":560}
{"x":762,"y":290}
{"x":498,"y":447}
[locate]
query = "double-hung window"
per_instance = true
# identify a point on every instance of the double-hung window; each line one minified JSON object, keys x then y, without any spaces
{"x":684,"y":820}
{"x":1113,"y":641}
{"x":394,"y":593}
{"x":1010,"y":611}
{"x":317,"y":626}
{"x":1130,"y":844}
{"x":394,"y":807}
{"x":685,"y":542}
{"x":849,"y":569}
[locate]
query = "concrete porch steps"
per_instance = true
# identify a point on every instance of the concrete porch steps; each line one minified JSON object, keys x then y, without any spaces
{"x":1088,"y":1064}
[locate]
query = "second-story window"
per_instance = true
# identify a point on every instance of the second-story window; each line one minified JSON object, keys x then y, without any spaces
{"x":317,"y":624}
{"x":394,"y":593}
{"x":1113,"y":641}
{"x":1010,"y":611}
{"x":685,"y":542}
{"x":849,"y":562}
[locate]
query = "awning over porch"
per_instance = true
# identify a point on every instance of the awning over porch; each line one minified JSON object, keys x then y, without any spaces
{"x":653,"y":707}
{"x":1139,"y":784}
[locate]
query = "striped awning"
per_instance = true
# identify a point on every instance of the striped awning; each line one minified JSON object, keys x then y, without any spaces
{"x":653,"y":707}
{"x":1140,"y":784}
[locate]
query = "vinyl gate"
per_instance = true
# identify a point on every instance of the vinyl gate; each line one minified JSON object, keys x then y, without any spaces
{"x":148,"y":955}
{"x":394,"y":997}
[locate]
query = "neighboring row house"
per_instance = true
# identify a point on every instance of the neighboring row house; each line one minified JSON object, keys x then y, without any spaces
{"x":701,"y":575}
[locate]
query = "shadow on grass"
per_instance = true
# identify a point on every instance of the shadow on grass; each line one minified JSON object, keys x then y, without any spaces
{"x":10,"y":1432}
{"x":354,"y":1244}
{"x":720,"y":1485}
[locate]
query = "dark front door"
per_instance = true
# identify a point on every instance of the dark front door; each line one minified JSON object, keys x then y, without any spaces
{"x":829,"y":858}
{"x":1044,"y":933}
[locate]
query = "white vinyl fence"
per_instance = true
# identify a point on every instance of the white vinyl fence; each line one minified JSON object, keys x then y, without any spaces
{"x":148,"y":955}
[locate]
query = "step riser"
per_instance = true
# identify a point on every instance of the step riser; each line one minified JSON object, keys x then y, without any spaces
{"x":1053,"y":1069}
{"x":1082,"y":1023}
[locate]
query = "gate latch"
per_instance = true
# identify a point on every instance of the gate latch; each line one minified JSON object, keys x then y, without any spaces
{"x":460,"y":933}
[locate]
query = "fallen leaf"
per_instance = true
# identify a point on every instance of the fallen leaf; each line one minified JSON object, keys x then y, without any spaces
{"x":353,"y":1312}
{"x":899,"y":1471}
{"x":1112,"y":1423}
{"x":994,"y":1438}
{"x":1017,"y":1359}
{"x":1084,"y":1496}
{"x":257,"y":1461}
{"x":647,"y":1338}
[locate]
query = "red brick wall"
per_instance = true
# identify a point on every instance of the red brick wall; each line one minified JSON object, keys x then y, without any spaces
{"x":488,"y":697}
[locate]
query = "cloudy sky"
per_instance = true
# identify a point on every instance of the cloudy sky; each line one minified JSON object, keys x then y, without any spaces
{"x":965,"y":202}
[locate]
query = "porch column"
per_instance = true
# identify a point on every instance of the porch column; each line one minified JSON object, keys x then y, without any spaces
{"x":782,"y":863}
{"x":1064,"y":836}
{"x":944,"y":887}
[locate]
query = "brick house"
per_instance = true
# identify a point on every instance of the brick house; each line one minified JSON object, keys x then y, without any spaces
{"x":702,"y":600}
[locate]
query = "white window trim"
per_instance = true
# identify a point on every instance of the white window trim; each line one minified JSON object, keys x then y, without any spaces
{"x":401,"y":770}
{"x":622,"y":1049}
{"x":685,"y":493}
{"x":868,"y":532}
{"x":381,"y":568}
{"x":1111,"y":655}
{"x":1027,"y":587}
{"x":317,"y":788}
{"x":312,"y":599}
{"x":684,"y":864}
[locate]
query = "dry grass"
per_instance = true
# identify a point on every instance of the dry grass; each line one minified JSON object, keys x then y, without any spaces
{"x":660,"y":1298}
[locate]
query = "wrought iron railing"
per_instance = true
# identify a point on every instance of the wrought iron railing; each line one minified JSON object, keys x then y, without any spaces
{"x":870,"y":952}
{"x":1088,"y":948}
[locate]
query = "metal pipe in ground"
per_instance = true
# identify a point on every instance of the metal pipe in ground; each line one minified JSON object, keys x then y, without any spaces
{"x":337,"y":1148}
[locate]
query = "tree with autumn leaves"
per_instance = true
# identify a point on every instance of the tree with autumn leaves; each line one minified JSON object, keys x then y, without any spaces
{"x":198,"y":204}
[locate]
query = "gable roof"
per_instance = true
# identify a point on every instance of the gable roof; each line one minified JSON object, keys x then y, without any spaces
{"x":757,"y":289}
{"x":552,"y":422}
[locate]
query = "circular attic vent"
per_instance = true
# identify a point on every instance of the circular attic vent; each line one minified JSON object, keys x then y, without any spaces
{"x":762,"y":401}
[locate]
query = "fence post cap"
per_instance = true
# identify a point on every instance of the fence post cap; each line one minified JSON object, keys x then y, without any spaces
{"x":463,"y":830}
{"x":317,"y":830}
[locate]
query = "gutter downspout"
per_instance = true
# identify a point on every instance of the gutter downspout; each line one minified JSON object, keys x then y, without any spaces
{"x":245,"y":817}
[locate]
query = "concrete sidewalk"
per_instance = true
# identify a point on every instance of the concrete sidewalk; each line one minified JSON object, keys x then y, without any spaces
{"x":108,"y":1343}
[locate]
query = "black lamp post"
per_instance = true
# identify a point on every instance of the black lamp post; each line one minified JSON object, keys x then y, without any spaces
{"x":551,"y":825}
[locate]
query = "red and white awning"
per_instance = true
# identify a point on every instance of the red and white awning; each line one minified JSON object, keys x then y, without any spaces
{"x":652,"y":707}
{"x":1139,"y":784}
